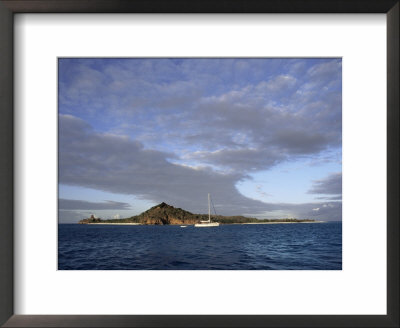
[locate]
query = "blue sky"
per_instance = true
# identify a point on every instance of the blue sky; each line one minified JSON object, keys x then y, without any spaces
{"x":263,"y":136}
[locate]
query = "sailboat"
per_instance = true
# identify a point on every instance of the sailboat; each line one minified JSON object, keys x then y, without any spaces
{"x":208,"y":222}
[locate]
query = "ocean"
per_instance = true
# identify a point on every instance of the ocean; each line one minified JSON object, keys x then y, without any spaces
{"x":295,"y":246}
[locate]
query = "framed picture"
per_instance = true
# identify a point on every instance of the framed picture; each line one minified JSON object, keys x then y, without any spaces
{"x":124,"y":123}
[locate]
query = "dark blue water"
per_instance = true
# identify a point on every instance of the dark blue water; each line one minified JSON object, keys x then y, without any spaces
{"x":315,"y":246}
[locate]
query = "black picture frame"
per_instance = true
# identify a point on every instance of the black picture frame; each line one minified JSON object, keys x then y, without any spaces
{"x":10,"y":7}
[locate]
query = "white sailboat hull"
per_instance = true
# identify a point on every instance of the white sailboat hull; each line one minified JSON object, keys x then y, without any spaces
{"x":204,"y":225}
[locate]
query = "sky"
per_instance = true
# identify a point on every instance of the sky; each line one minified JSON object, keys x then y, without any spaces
{"x":263,"y":136}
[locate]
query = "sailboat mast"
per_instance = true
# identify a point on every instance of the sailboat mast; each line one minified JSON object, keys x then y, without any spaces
{"x":209,"y":211}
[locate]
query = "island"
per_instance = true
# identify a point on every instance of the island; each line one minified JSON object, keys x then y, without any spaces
{"x":164,"y":214}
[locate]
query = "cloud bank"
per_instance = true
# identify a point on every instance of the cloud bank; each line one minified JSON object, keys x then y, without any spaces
{"x":120,"y":165}
{"x":73,"y":204}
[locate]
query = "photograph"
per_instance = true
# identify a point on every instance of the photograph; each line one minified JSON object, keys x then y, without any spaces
{"x":199,"y":163}
{"x":218,"y":164}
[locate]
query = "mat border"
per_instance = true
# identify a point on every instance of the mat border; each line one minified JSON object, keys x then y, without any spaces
{"x":10,"y":7}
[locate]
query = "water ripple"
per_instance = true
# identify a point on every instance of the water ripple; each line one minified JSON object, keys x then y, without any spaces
{"x":228,"y":247}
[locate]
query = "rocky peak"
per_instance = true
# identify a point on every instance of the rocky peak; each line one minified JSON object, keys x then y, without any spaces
{"x":163,"y":205}
{"x":166,"y":214}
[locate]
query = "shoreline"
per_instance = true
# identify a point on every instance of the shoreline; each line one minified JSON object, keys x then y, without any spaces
{"x":278,"y":222}
{"x":105,"y":223}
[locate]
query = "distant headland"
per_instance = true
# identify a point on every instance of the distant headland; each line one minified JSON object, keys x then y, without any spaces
{"x":164,"y":214}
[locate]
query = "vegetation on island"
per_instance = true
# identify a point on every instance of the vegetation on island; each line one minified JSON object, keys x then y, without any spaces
{"x":164,"y":214}
{"x":92,"y":219}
